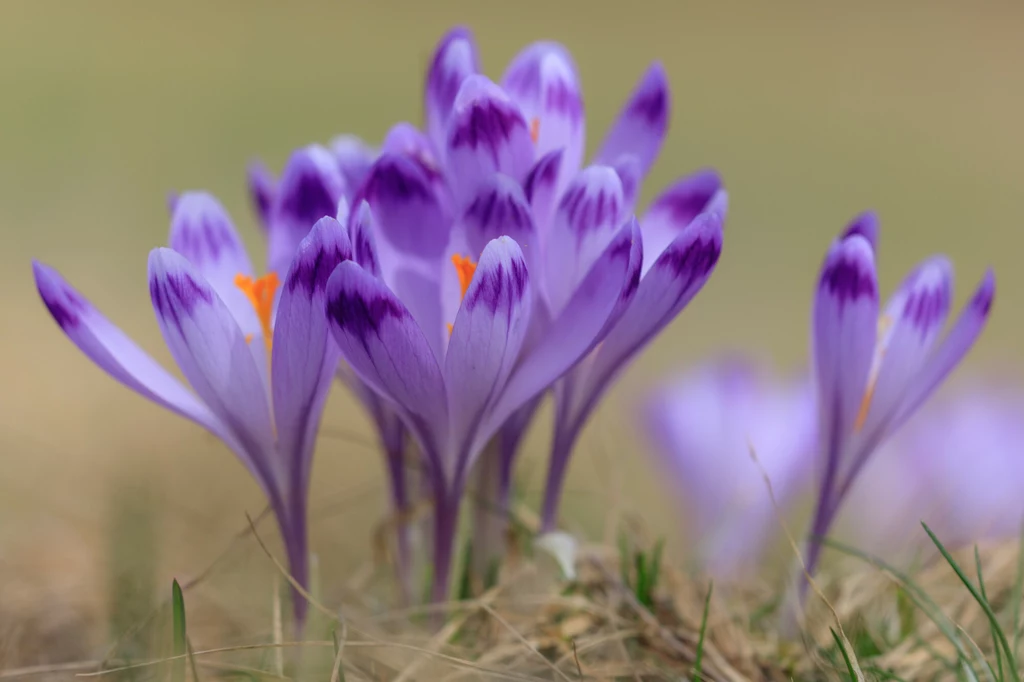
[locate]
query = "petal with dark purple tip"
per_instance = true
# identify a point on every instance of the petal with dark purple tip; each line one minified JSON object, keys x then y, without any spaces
{"x":499,"y":209}
{"x":362,"y":227}
{"x":641,"y":127}
{"x":310,"y":188}
{"x":486,"y":339}
{"x":454,"y":59}
{"x":487,"y":134}
{"x":675,"y":209}
{"x":354,"y":158}
{"x":866,"y":225}
{"x":542,"y":190}
{"x":262,"y":192}
{"x":542,"y":80}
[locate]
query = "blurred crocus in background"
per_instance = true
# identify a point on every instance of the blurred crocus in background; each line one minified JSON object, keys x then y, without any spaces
{"x":873,"y":371}
{"x":255,"y":350}
{"x":704,"y":425}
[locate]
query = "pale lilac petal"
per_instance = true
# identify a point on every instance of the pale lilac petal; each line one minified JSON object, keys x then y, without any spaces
{"x":914,"y":317}
{"x":310,"y":188}
{"x":866,"y":225}
{"x":454,"y":59}
{"x":487,"y":134}
{"x":952,"y":349}
{"x":304,"y":356}
{"x":486,"y":339}
{"x":262,"y":192}
{"x":384,"y":346}
{"x":354,"y":158}
{"x":844,"y":323}
{"x":589,"y":214}
{"x":675,"y":209}
{"x":211,"y":350}
{"x":202,"y":232}
{"x":602,"y":295}
{"x":500,"y":209}
{"x":641,"y":127}
{"x":628,"y":169}
{"x":118,"y":355}
{"x":362,"y":228}
{"x":543,"y":82}
{"x":542,"y":191}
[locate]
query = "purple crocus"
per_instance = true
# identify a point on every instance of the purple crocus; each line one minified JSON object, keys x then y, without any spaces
{"x":704,"y":425}
{"x":874,"y":371}
{"x":257,"y":355}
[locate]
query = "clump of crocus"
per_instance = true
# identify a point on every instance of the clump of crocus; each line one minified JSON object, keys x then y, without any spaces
{"x":705,"y":425}
{"x":874,"y":368}
{"x":255,"y":350}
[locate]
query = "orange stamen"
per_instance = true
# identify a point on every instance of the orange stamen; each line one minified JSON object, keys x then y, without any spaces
{"x":884,"y":322}
{"x":465,"y":268}
{"x":535,"y":129}
{"x":260,"y":293}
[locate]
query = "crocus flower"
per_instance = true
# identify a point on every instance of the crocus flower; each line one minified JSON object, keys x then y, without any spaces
{"x":255,"y":350}
{"x":873,"y":372}
{"x":705,"y":424}
{"x":572,"y":212}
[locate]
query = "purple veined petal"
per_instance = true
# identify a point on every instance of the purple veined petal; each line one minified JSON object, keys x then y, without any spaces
{"x":409,"y":212}
{"x":362,"y":227}
{"x":119,"y":356}
{"x":664,"y":291}
{"x":406,"y":139}
{"x":310,"y":188}
{"x":628,"y":170}
{"x":866,"y":225}
{"x":589,"y":214}
{"x":487,"y":134}
{"x":262,"y":192}
{"x":542,"y":80}
{"x":455,"y":58}
{"x":951,"y":350}
{"x":913,"y":319}
{"x":642,"y":124}
{"x":386,"y":349}
{"x":500,"y":209}
{"x":844,"y":331}
{"x":304,"y":357}
{"x":202,"y":232}
{"x":599,"y":299}
{"x":211,"y":350}
{"x":354,"y":158}
{"x":486,"y":339}
{"x":674,"y":209}
{"x":342,"y":213}
{"x":542,"y":191}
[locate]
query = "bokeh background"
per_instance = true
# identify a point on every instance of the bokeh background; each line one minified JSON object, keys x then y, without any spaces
{"x":811,"y":111}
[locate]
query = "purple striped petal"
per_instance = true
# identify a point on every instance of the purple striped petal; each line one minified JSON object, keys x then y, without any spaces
{"x":543,"y":82}
{"x":675,"y":209}
{"x":310,"y":188}
{"x":588,"y":215}
{"x":304,"y":356}
{"x":202,"y":232}
{"x":542,"y":191}
{"x":262,"y":192}
{"x":354,"y":158}
{"x":486,"y":339}
{"x":500,"y":209}
{"x":641,"y":127}
{"x":362,"y":228}
{"x":487,"y":134}
{"x":212,"y":352}
{"x":844,"y":323}
{"x":454,"y":59}
{"x":384,"y":346}
{"x":118,"y":355}
{"x":866,"y":225}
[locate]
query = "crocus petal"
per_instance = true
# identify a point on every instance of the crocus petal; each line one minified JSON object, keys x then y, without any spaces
{"x":628,"y":170}
{"x":602,"y":295}
{"x":486,"y":338}
{"x":500,"y":209}
{"x":454,"y":59}
{"x":952,"y":349}
{"x":383,"y":345}
{"x":310,"y":188}
{"x":304,"y":356}
{"x":844,"y":324}
{"x":210,"y":348}
{"x":915,"y":315}
{"x":202,"y":232}
{"x":541,"y":188}
{"x":675,"y":209}
{"x":262,"y":191}
{"x":543,"y":82}
{"x":640,"y":128}
{"x":362,"y":228}
{"x":118,"y":355}
{"x":588,"y":215}
{"x":866,"y":225}
{"x":487,"y":134}
{"x":354,"y":158}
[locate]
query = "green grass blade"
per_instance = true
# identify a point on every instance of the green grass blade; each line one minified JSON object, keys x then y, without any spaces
{"x":984,"y":595}
{"x":180,"y":642}
{"x":850,"y":668}
{"x":1017,"y":595}
{"x":698,"y":659}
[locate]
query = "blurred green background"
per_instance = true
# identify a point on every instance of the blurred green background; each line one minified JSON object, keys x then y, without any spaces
{"x":812,"y":111}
